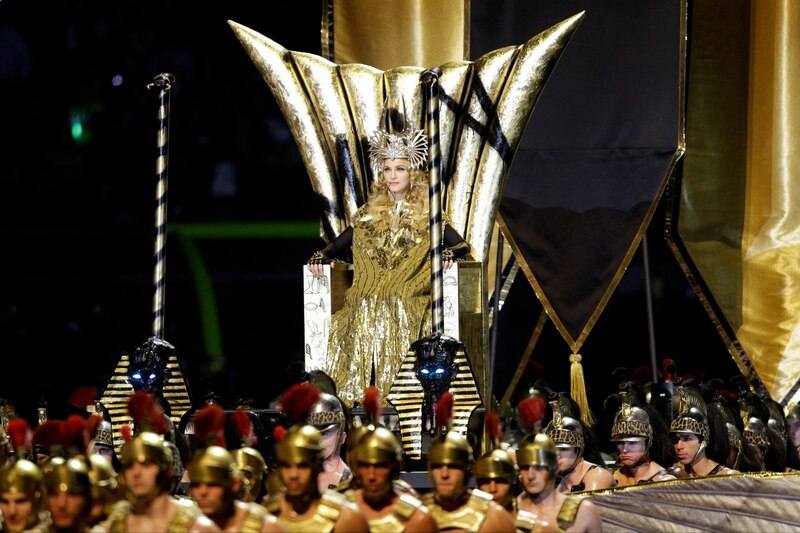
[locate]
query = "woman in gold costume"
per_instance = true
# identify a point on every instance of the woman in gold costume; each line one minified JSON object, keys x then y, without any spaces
{"x":388,"y":306}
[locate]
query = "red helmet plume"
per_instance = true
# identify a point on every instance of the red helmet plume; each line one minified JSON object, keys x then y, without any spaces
{"x":279,"y":433}
{"x":531,"y":413}
{"x":47,"y":437}
{"x":20,"y":435}
{"x":298,"y":400}
{"x":147,"y":415}
{"x":74,"y":435}
{"x":443,"y":411}
{"x":243,"y":426}
{"x":209,"y":425}
{"x":493,"y":429}
{"x":372,"y":404}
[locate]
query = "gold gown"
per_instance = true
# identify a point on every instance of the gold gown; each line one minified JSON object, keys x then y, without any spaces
{"x":387,"y":307}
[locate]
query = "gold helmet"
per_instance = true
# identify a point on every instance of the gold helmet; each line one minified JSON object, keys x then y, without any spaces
{"x":631,"y":424}
{"x":538,"y":450}
{"x":378,"y":445}
{"x":497,"y":464}
{"x":68,"y":475}
{"x":248,"y":461}
{"x":214,"y":466}
{"x":253,"y":469}
{"x":149,"y":444}
{"x":147,"y":447}
{"x":373,"y":443}
{"x":103,"y":478}
{"x":301,"y":444}
{"x":452,"y":449}
{"x":355,"y":435}
{"x":24,"y":477}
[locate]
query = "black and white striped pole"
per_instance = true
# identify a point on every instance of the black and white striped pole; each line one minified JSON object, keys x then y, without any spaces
{"x":163,"y":82}
{"x":430,"y":80}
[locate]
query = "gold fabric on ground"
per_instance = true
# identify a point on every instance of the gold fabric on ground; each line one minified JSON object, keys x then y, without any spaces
{"x":397,"y":32}
{"x":390,"y":298}
{"x":741,"y":502}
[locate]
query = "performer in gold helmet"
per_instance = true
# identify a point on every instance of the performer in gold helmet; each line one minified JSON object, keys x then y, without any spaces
{"x":635,"y":440}
{"x":105,"y":488}
{"x":146,"y":478}
{"x":214,"y":485}
{"x":453,"y":504}
{"x":537,"y":465}
{"x":388,"y":306}
{"x":690,"y":436}
{"x":378,"y":459}
{"x":300,"y":450}
{"x":68,"y":493}
{"x":496,"y":470}
{"x":248,"y":460}
{"x":575,"y":472}
{"x":22,"y":485}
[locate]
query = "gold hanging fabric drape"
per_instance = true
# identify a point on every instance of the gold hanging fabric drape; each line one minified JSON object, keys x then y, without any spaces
{"x":393,"y":33}
{"x":740,"y":196}
{"x":770,"y":329}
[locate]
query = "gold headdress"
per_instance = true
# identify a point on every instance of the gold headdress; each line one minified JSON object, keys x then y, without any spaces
{"x":411,"y":144}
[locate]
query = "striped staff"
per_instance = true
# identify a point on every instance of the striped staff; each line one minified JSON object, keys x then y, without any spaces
{"x":430,"y":80}
{"x":163,"y":82}
{"x":113,"y":402}
{"x":439,"y":357}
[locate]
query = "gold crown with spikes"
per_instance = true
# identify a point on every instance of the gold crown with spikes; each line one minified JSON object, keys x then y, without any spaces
{"x":411,"y":145}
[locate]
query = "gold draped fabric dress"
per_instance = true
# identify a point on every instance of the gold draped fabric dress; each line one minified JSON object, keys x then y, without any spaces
{"x":388,"y":306}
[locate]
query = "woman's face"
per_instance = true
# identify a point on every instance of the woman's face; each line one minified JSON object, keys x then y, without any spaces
{"x":397,"y":176}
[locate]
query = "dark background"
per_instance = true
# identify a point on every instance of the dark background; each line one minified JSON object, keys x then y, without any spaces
{"x":78,"y":211}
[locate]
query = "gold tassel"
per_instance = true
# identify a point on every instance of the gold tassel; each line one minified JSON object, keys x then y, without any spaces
{"x":578,"y":389}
